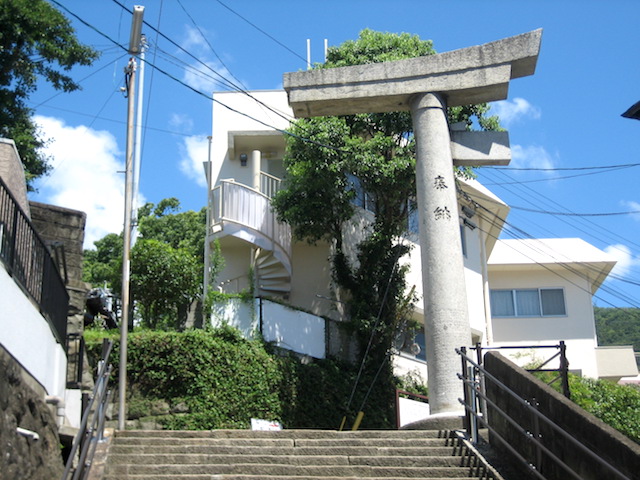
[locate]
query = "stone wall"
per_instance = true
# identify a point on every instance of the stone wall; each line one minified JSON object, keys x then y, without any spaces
{"x":12,"y":173}
{"x":22,"y":405}
{"x":614,"y":447}
{"x":63,"y":226}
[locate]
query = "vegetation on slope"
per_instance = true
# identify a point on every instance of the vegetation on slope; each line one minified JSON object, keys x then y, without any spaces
{"x":212,"y":379}
{"x":618,"y":326}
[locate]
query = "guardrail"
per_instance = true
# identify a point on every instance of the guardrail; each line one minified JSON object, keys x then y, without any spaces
{"x":242,"y":205}
{"x":561,"y":355}
{"x":474,"y":376}
{"x":92,"y":423}
{"x":28,"y":261}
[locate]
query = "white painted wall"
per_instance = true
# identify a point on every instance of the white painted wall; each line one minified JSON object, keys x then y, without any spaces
{"x":411,"y":411}
{"x":577,"y":328}
{"x":225,"y":120}
{"x":404,"y":365}
{"x":27,"y":336}
{"x":311,"y":276}
{"x":294,"y":330}
{"x":287,"y":328}
{"x":473,"y":279}
{"x":236,"y":313}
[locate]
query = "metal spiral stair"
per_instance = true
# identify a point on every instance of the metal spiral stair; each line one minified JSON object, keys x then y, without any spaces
{"x":272,"y":277}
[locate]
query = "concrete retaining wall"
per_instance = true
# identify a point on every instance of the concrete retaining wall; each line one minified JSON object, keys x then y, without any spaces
{"x":607,"y":442}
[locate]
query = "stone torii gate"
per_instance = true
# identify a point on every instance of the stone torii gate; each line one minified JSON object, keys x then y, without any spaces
{"x":427,"y":86}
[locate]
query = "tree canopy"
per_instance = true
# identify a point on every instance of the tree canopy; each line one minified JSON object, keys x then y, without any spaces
{"x":618,"y":326}
{"x":36,"y":41}
{"x":166,"y":262}
{"x":368,"y":161}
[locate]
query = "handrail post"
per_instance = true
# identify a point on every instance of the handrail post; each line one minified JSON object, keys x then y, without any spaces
{"x":564,"y":369}
{"x":536,"y":432}
{"x":473,"y":398}
{"x":465,"y":389}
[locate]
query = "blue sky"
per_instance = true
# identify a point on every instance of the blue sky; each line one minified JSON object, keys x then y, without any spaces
{"x":565,"y":116}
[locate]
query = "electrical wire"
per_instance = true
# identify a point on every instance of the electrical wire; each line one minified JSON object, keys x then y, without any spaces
{"x":542,"y":248}
{"x":548,"y":179}
{"x":195,"y":90}
{"x":541,"y":169}
{"x":209,"y":45}
{"x":263,"y":32}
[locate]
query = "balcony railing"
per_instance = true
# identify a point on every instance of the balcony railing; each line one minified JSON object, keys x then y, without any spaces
{"x":242,"y":205}
{"x":28,"y":261}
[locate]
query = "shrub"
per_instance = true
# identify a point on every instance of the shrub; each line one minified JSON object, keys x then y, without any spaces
{"x":224,"y":380}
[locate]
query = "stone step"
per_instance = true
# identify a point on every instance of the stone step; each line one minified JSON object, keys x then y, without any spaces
{"x":289,"y":443}
{"x":268,"y":470}
{"x":261,"y":477}
{"x":288,"y":434}
{"x":295,"y":460}
{"x":249,"y":450}
{"x":290,"y":454}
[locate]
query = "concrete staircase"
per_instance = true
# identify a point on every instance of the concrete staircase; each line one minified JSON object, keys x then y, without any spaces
{"x":292,"y":454}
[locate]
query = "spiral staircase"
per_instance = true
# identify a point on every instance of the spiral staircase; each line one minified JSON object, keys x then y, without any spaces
{"x":245,"y":214}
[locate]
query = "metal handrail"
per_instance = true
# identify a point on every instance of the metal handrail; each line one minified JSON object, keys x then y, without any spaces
{"x":473,"y":391}
{"x":92,"y":423}
{"x":29,"y":262}
{"x":563,"y":368}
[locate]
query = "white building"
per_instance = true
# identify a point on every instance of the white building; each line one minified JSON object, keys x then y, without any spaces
{"x":520,"y":292}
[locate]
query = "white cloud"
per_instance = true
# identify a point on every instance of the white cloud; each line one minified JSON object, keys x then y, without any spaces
{"x":633,"y":207}
{"x":512,"y":111}
{"x":181,"y":122}
{"x":626,"y":261}
{"x":85,"y":175}
{"x":531,"y":156}
{"x":193,"y":152}
{"x":207,"y":75}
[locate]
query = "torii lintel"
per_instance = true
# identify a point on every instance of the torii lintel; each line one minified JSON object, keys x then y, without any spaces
{"x":466,"y":76}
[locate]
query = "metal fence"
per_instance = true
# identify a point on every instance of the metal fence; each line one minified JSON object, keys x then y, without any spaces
{"x":477,"y":404}
{"x":28,"y":261}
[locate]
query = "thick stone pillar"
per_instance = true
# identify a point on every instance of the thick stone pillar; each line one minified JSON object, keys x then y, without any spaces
{"x":445,"y":299}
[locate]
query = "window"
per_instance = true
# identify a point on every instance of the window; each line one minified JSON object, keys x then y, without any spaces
{"x":534,"y":302}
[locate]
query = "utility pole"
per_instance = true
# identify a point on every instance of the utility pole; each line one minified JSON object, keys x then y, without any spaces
{"x":138,"y":144}
{"x":130,"y":72}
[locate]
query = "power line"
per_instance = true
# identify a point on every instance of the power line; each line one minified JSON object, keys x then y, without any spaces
{"x":209,"y":44}
{"x":548,"y":179}
{"x":572,"y":214}
{"x":263,"y":32}
{"x":519,"y":234}
{"x":591,"y":226}
{"x":540,"y":169}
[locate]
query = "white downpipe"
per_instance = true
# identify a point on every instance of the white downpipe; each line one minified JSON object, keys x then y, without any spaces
{"x":60,"y":407}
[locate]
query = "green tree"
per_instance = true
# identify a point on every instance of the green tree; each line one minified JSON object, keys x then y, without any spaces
{"x":618,"y":326}
{"x":163,"y":279}
{"x":103,"y":266}
{"x":164,"y":222}
{"x":167,"y":262}
{"x":36,"y":41}
{"x":366,"y":160}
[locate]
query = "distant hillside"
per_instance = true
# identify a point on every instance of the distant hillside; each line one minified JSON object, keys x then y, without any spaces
{"x":618,"y":326}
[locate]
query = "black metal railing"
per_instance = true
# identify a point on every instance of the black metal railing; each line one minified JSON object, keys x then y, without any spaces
{"x":561,"y":354}
{"x":75,"y":360}
{"x":92,"y":423}
{"x":28,"y":261}
{"x":474,"y":376}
